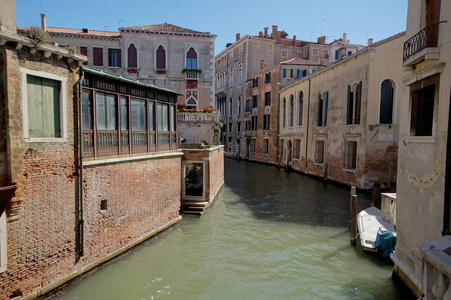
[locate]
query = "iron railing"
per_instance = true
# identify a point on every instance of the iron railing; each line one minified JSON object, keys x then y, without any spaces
{"x":427,"y":37}
{"x":197,"y":117}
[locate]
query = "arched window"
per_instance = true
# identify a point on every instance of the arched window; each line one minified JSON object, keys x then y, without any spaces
{"x":284,"y":112}
{"x":132,"y":55}
{"x":386,"y":105}
{"x":191,"y":59}
{"x":191,"y":103}
{"x":354,"y":103}
{"x":323,"y":100}
{"x":300,"y":108}
{"x":161,"y":58}
{"x":291,"y":116}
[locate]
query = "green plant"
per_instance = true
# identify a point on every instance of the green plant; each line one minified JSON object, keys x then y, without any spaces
{"x":37,"y":35}
{"x":192,"y":70}
{"x":74,"y":49}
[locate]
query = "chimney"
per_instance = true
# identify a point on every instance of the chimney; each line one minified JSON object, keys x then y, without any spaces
{"x":322,"y":39}
{"x":294,"y":40}
{"x":344,"y":38}
{"x":238,"y":36}
{"x":44,"y":22}
{"x":274,"y":29}
{"x":260,"y":33}
{"x":85,"y":30}
{"x":266,"y":32}
{"x":370,"y":42}
{"x":262,"y":64}
{"x":8,"y":16}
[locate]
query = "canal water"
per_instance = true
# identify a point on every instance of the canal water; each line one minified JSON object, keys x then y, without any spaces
{"x":269,"y":235}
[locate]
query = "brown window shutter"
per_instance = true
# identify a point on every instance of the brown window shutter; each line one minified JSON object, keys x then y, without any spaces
{"x":98,"y":57}
{"x":84,"y":51}
{"x":119,"y":58}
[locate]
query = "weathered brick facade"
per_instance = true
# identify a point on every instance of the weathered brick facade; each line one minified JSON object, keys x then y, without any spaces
{"x":126,"y":199}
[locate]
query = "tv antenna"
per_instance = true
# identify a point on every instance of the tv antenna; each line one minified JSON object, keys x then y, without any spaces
{"x":311,"y":36}
{"x":321,"y":26}
{"x":105,"y":27}
{"x":120,"y":23}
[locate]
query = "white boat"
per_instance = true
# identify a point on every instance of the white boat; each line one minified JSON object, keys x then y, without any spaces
{"x":369,"y":221}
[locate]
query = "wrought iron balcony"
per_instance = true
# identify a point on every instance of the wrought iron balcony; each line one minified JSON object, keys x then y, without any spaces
{"x":426,"y":38}
{"x":197,"y":117}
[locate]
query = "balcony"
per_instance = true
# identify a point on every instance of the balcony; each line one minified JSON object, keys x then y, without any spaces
{"x":192,"y":74}
{"x":437,"y":269}
{"x":198,"y":117}
{"x":422,"y":46}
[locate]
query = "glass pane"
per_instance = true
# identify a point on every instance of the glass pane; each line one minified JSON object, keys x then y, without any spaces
{"x":100,"y":111}
{"x":173,"y":116}
{"x":111,"y":112}
{"x":87,"y":110}
{"x":138,"y":114}
{"x":152,"y":116}
{"x":124,"y":113}
{"x":163,"y":121}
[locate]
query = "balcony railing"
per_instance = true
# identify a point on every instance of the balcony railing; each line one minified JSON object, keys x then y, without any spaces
{"x":192,"y":74}
{"x":197,"y":117}
{"x":427,"y":37}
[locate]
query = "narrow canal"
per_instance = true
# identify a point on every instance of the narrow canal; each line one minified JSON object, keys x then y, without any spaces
{"x":269,"y":235}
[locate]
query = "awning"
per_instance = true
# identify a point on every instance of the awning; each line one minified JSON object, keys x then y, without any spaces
{"x":6,"y":193}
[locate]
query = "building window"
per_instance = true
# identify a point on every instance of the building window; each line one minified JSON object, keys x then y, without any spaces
{"x":386,"y":105}
{"x":284,"y":53}
{"x":191,"y":103}
{"x":106,"y":111}
{"x":132,"y":57}
{"x":87,"y":110}
{"x":44,"y":102}
{"x":267,"y":98}
{"x":422,"y":114}
{"x":255,"y":82}
{"x":124,"y":114}
{"x":241,"y":48}
{"x":305,"y":53}
{"x":138,"y":115}
{"x":84,"y":51}
{"x":298,"y":55}
{"x":191,"y":59}
{"x":351,"y":155}
{"x":239,"y":105}
{"x":163,"y":117}
{"x":247,"y":125}
{"x":336,"y":54}
{"x":284,"y":112}
{"x":255,"y":45}
{"x":315,"y":52}
{"x":231,"y":76}
{"x":282,"y":149}
{"x":265,"y":146}
{"x":230,"y":127}
{"x":326,"y":53}
{"x":354,"y":103}
{"x":284,"y":73}
{"x":230,"y":106}
{"x":254,"y":101}
{"x":254,"y":123}
{"x":291,"y":116}
{"x":297,"y":149}
{"x":269,"y":47}
{"x":161,"y":58}
{"x":322,"y":108}
{"x":349,"y":53}
{"x":3,"y":253}
{"x":300,"y":109}
{"x":268,"y":77}
{"x":238,"y":127}
{"x":253,"y":142}
{"x":114,"y":57}
{"x":240,"y":74}
{"x":98,"y":57}
{"x":266,"y":121}
{"x":247,"y":107}
{"x":319,"y":157}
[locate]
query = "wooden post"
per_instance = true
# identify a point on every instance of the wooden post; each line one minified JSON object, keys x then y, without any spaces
{"x":354,"y":206}
{"x":376,"y":194}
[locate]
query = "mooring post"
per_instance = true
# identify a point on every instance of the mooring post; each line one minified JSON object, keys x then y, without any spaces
{"x":354,"y":207}
{"x":376,"y":194}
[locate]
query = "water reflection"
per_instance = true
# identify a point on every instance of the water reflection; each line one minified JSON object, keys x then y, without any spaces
{"x":269,"y":235}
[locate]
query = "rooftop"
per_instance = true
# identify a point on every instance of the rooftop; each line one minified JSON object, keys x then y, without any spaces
{"x":164,"y":28}
{"x":299,"y":61}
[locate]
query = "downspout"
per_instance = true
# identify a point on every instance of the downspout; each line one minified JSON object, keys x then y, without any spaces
{"x":447,"y":196}
{"x":306,"y":129}
{"x":80,"y":165}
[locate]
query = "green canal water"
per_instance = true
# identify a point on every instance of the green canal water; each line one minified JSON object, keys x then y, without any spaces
{"x":269,"y":235}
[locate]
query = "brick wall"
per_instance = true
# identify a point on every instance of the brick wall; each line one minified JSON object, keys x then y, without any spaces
{"x":42,"y":222}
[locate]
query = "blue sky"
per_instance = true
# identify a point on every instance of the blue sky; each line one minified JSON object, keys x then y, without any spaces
{"x":360,"y":19}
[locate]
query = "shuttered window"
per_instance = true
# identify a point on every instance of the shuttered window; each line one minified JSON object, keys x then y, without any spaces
{"x":98,"y":56}
{"x":132,"y":56}
{"x":386,"y":105}
{"x":319,"y":158}
{"x":43,"y":105}
{"x":351,"y":155}
{"x":161,"y":58}
{"x":84,"y":51}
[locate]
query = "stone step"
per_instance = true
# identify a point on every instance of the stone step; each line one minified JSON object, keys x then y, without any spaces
{"x":190,"y":212}
{"x":194,"y":204}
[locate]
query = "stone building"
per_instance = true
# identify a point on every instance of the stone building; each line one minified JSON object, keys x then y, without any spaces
{"x":166,"y":55}
{"x":423,"y":220}
{"x":235,"y":65}
{"x":261,"y":109}
{"x":341,"y":123}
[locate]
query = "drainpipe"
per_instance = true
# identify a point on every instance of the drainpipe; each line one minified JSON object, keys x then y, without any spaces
{"x":306,"y":130}
{"x":447,"y":200}
{"x":80,"y":165}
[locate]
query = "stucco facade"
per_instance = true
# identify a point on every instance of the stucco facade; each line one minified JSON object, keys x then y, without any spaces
{"x":423,"y":184}
{"x":330,"y":121}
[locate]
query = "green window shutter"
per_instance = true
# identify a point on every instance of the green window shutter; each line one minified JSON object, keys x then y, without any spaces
{"x":358,"y":104}
{"x":325,"y":107}
{"x":349,"y":107}
{"x":320,"y":110}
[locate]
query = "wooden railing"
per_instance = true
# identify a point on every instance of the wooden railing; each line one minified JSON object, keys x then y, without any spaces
{"x":197,"y":117}
{"x":427,"y":37}
{"x":107,"y":142}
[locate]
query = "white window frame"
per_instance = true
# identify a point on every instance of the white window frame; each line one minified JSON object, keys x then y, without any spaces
{"x":63,"y":105}
{"x":3,"y":240}
{"x":347,"y":149}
